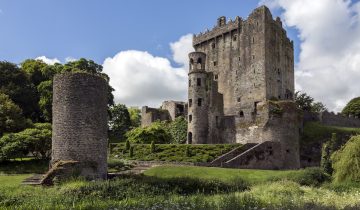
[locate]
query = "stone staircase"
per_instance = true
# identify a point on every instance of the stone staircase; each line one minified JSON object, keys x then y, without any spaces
{"x":220,"y":161}
{"x":33,"y":180}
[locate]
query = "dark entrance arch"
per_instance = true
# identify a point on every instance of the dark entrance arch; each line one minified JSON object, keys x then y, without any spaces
{"x":189,"y":138}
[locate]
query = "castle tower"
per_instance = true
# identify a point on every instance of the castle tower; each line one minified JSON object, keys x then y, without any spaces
{"x":80,"y":123}
{"x":198,"y":103}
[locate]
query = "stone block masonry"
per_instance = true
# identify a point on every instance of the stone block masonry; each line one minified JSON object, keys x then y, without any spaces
{"x":80,"y":123}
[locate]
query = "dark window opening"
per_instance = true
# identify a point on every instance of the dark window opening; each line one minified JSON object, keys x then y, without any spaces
{"x":191,"y":63}
{"x":190,"y":102}
{"x":253,"y":57}
{"x":198,"y":81}
{"x":199,"y":101}
{"x":180,"y":109}
{"x":215,"y":63}
{"x":309,"y":160}
{"x":287,"y":151}
{"x":270,"y":152}
{"x":238,"y":99}
{"x":235,"y":38}
{"x":189,"y":138}
{"x":199,"y":60}
{"x":241,"y":114}
{"x":213,"y":45}
{"x":279,"y":96}
{"x":255,"y":107}
{"x":190,"y":118}
{"x":253,"y":40}
{"x":189,"y":83}
{"x":239,"y":59}
{"x":216,"y":77}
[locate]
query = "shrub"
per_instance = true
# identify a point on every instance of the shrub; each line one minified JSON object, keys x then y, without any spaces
{"x":346,"y":161}
{"x":131,"y":153}
{"x":156,"y":132}
{"x":152,"y":147}
{"x":187,"y":152}
{"x":328,"y":149}
{"x":309,"y":176}
{"x":127,"y":145}
{"x":178,"y":130}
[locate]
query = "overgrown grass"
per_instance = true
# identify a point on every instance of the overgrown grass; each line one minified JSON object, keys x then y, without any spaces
{"x":173,"y":152}
{"x":309,"y":176}
{"x":175,"y":193}
{"x":316,"y":132}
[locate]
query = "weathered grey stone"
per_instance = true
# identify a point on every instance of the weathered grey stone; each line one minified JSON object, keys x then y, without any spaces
{"x":80,"y":122}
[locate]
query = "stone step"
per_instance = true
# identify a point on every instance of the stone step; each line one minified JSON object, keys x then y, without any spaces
{"x":231,"y":154}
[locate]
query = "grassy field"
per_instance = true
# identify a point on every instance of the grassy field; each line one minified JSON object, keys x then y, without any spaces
{"x":173,"y":152}
{"x":171,"y":188}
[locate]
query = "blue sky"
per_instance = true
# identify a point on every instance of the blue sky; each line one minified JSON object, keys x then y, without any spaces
{"x":98,"y":29}
{"x":143,"y":44}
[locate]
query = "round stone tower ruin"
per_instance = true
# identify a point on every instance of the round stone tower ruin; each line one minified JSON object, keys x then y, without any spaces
{"x":80,"y":123}
{"x":198,"y":100}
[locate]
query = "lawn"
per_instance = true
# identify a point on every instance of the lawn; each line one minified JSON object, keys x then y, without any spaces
{"x":173,"y":188}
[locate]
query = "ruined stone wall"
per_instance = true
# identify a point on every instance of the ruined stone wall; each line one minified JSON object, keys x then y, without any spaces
{"x":150,"y":115}
{"x":80,"y":122}
{"x":175,"y":108}
{"x":331,"y":119}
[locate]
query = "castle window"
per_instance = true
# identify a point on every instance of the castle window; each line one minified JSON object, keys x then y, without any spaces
{"x":278,"y":71}
{"x":191,"y":63}
{"x":215,"y":63}
{"x":238,"y":99}
{"x":213,"y":45}
{"x":190,"y":102}
{"x":199,"y":60}
{"x":198,"y":81}
{"x":190,"y":118}
{"x":199,"y":101}
{"x":241,"y":114}
{"x":253,"y":40}
{"x":189,"y":82}
{"x":253,"y":57}
{"x":216,"y":77}
{"x":189,"y":138}
{"x":235,"y":38}
{"x":279,"y":96}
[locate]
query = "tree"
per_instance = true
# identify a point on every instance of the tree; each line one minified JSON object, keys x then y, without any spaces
{"x":352,"y":107}
{"x":36,"y":140}
{"x":156,"y":132}
{"x":178,"y":130}
{"x":119,"y":122}
{"x":346,"y":161}
{"x":16,"y":84}
{"x":45,"y":101}
{"x":307,"y":103}
{"x":135,"y":116}
{"x":11,"y":118}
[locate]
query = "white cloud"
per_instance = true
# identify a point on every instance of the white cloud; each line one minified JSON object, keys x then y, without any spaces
{"x":70,"y":59}
{"x":329,"y":30}
{"x":181,"y":49}
{"x":140,"y":78}
{"x":50,"y":61}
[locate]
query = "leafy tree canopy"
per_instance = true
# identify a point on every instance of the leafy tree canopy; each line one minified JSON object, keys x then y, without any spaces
{"x":156,"y":132}
{"x":11,"y":118}
{"x":178,"y":130}
{"x":307,"y":103}
{"x":352,"y":107}
{"x":135,"y":116}
{"x":119,"y":122}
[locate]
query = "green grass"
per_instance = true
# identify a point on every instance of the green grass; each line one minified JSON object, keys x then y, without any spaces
{"x":212,"y":189}
{"x":173,"y":152}
{"x":316,"y":132}
{"x":305,"y":176}
{"x":24,"y":166}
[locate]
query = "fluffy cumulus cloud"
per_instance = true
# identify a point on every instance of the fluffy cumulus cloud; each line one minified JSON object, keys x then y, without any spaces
{"x":50,"y":61}
{"x":140,"y":78}
{"x":329,"y":62}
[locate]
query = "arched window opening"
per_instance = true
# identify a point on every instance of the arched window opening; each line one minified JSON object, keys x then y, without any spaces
{"x":241,"y":114}
{"x":191,"y":64}
{"x":189,"y":138}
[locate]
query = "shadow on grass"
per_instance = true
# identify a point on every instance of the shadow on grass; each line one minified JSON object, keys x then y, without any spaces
{"x":28,"y":166}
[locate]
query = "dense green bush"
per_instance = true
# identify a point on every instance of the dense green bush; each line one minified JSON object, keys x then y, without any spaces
{"x":178,"y":130}
{"x":352,"y":108}
{"x":156,"y":132}
{"x":310,"y":177}
{"x":173,"y":152}
{"x":36,"y":140}
{"x":346,"y":162}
